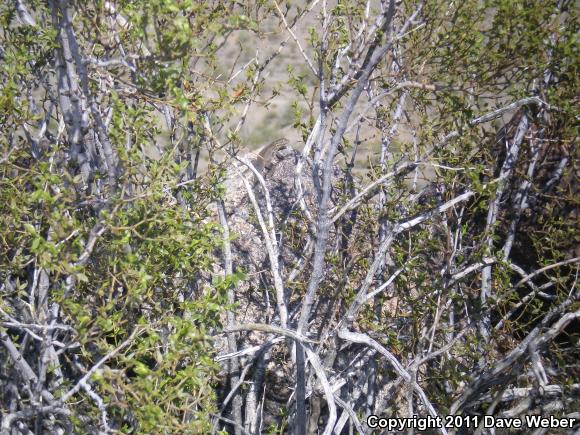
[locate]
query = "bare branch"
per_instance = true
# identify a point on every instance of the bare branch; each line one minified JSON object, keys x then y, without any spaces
{"x":399,"y":369}
{"x":289,"y":30}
